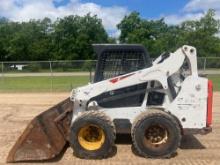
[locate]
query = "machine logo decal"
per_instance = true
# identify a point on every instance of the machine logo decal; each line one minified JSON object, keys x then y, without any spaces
{"x":115,"y":80}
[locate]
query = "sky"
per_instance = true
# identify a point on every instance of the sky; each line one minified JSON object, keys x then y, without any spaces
{"x":110,"y":11}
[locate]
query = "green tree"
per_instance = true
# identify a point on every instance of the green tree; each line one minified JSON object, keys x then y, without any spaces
{"x":25,"y":41}
{"x":74,"y":35}
{"x":67,"y":38}
{"x":202,"y":34}
{"x":71,"y":37}
{"x":157,"y":36}
{"x":128,"y":25}
{"x":150,"y":33}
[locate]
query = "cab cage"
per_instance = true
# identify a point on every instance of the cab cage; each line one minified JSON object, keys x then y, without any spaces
{"x":118,"y":59}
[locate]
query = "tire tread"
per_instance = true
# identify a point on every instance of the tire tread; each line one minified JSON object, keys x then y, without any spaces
{"x":101,"y":116}
{"x":149,"y":113}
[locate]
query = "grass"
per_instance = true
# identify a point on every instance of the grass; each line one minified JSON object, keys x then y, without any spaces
{"x":216,"y":81}
{"x":42,"y":84}
{"x":57,"y":84}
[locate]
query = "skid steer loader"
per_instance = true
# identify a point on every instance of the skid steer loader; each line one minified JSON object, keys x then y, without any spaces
{"x":156,"y":102}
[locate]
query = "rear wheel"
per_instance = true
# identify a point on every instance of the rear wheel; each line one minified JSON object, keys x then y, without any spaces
{"x":92,"y":135}
{"x":156,"y":134}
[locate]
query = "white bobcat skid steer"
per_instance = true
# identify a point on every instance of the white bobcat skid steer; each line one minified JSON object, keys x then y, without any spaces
{"x":156,"y":102}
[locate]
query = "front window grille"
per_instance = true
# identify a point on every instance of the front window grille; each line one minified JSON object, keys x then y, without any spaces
{"x":116,"y":63}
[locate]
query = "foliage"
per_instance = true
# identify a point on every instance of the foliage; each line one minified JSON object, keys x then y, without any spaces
{"x":74,"y":36}
{"x":157,"y":36}
{"x":202,"y":34}
{"x":71,"y":37}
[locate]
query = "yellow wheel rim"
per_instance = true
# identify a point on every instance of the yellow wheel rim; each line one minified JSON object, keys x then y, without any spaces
{"x":91,"y":137}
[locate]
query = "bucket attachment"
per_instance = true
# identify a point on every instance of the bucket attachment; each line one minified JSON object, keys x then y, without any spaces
{"x":46,"y":135}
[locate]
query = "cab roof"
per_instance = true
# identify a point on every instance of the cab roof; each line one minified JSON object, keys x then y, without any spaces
{"x":100,"y":48}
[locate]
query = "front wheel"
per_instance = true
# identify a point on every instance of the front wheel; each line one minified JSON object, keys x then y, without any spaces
{"x":92,"y":135}
{"x":156,"y":134}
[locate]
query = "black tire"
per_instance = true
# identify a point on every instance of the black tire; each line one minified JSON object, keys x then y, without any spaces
{"x":103,"y":122}
{"x":155,"y":134}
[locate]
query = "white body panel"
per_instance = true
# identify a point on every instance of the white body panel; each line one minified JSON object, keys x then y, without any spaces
{"x":189,"y":106}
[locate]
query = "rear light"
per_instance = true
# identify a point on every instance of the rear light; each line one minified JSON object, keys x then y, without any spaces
{"x":209,"y":105}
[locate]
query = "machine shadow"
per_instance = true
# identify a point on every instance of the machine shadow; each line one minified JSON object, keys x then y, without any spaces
{"x":191,"y":142}
{"x":123,"y":139}
{"x":187,"y":142}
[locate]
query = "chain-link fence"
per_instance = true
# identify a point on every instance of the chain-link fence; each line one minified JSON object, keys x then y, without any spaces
{"x":44,"y":76}
{"x":55,"y":76}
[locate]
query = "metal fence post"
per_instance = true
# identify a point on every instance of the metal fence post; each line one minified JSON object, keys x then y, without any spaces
{"x":2,"y":70}
{"x":204,"y":67}
{"x":90,"y":75}
{"x":51,"y":75}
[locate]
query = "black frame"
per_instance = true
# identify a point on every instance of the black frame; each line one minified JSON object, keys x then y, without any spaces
{"x":100,"y":49}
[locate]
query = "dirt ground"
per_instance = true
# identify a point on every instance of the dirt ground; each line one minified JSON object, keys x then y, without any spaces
{"x":18,"y":109}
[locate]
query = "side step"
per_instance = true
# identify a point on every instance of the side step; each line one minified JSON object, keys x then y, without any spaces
{"x":45,"y":136}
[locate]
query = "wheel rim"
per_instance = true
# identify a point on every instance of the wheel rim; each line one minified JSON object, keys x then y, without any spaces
{"x":155,"y":136}
{"x":91,"y":137}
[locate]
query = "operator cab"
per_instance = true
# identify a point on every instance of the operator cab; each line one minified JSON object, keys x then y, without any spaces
{"x":119,"y":59}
